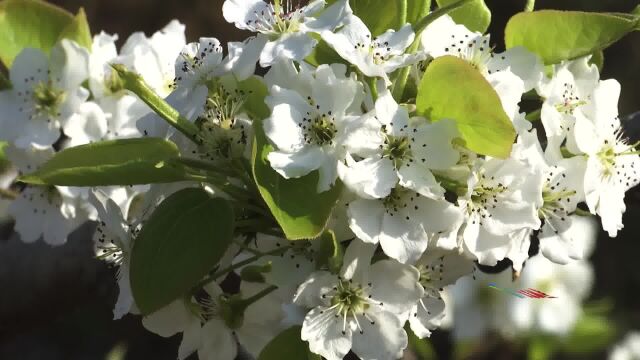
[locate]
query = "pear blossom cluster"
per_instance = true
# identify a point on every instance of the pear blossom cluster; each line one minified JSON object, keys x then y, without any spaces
{"x":417,"y":209}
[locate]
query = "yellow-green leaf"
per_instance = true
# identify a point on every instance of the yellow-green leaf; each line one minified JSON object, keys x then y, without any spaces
{"x":475,"y":15}
{"x":78,"y":30}
{"x":453,"y":89}
{"x":564,"y":35}
{"x":36,"y":24}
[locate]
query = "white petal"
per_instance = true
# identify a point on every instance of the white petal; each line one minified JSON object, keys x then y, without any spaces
{"x":424,"y":319}
{"x":395,"y":286}
{"x":365,"y":219}
{"x":37,"y":134}
{"x":434,"y":143}
{"x":89,"y":124}
{"x":284,"y":129}
{"x":29,"y":63}
{"x":487,"y":247}
{"x":526,"y":65}
{"x":332,"y":92}
{"x":389,"y":113}
{"x":310,"y":292}
{"x":169,"y":320}
{"x":69,"y":64}
{"x":295,"y":165}
{"x":421,"y":180}
{"x":328,"y":173}
{"x":438,"y":35}
{"x":240,"y":12}
{"x":402,"y":239}
{"x":357,"y":259}
{"x":369,"y":178}
{"x":363,"y":136}
{"x":243,"y":56}
{"x":510,"y":89}
{"x":191,"y":340}
{"x":332,"y":17}
{"x":125,"y":297}
{"x":399,"y":40}
{"x":218,"y":342}
{"x":384,"y":339}
{"x":323,"y":330}
{"x":296,"y":46}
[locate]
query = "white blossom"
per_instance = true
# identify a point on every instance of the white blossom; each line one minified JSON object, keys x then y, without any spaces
{"x":612,"y":163}
{"x":360,"y":309}
{"x":308,"y":126}
{"x":45,"y":93}
{"x":444,"y":37}
{"x":374,"y":56}
{"x":284,"y":31}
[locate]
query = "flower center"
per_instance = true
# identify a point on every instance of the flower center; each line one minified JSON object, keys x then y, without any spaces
{"x":221,"y":135}
{"x":400,"y":199}
{"x":319,"y":130}
{"x":426,"y":273}
{"x":47,"y":99}
{"x":350,"y":299}
{"x":108,"y":246}
{"x":607,"y":156}
{"x":397,"y":149}
{"x":277,"y":19}
{"x":485,"y":197}
{"x":570,"y":100}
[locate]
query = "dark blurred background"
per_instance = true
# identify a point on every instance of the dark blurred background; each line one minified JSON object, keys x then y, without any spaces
{"x":56,"y":303}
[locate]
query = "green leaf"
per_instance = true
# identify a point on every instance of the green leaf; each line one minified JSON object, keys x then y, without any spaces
{"x":421,"y":347}
{"x":597,"y":59}
{"x":323,"y":54}
{"x":297,"y":207}
{"x":256,"y":91}
{"x":453,"y":89}
{"x":564,"y":35}
{"x":36,"y":24}
{"x":288,"y":345}
{"x":379,"y":16}
{"x":4,"y":162}
{"x":541,"y":347}
{"x":298,"y":219}
{"x":417,"y":9}
{"x":78,"y":30}
{"x":475,"y":15}
{"x":330,"y":253}
{"x":114,"y":162}
{"x":591,"y":333}
{"x":183,"y":240}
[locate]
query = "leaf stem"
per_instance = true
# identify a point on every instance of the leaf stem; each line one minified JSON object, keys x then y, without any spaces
{"x":259,"y":295}
{"x":452,"y":185}
{"x":530,"y":5}
{"x":397,"y":90}
{"x":136,"y":84}
{"x":373,"y":87}
{"x":204,"y":165}
{"x":534,"y":115}
{"x":238,"y":265}
{"x":403,"y":75}
{"x":5,"y":83}
{"x":581,"y":212}
{"x":403,"y":14}
{"x":8,"y":194}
